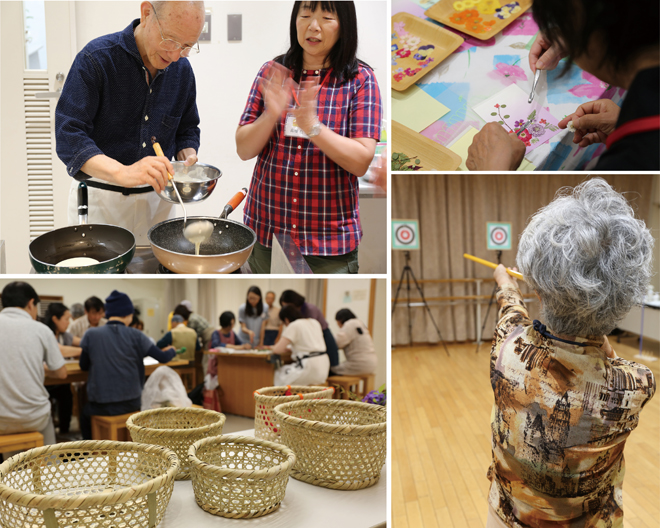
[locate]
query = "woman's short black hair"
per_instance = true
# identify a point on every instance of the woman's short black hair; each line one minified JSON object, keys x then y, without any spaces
{"x":226,"y":318}
{"x":344,"y":315}
{"x":342,"y":56}
{"x":292,"y":297}
{"x":625,"y":30}
{"x":250,"y":310}
{"x":183,"y":311}
{"x":53,"y":310}
{"x":18,"y":294}
{"x":291,"y":313}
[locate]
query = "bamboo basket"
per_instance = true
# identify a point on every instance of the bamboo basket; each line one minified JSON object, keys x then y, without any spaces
{"x":238,"y":476}
{"x":176,"y":428}
{"x":339,"y":444}
{"x":266,"y":425}
{"x":87,"y":484}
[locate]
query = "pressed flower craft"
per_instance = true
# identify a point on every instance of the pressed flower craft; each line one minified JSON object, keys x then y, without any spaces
{"x":482,"y":19}
{"x":406,"y":45}
{"x":533,"y":125}
{"x":417,"y":46}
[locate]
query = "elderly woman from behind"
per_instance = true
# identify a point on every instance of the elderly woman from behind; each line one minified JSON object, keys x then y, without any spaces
{"x":564,"y":402}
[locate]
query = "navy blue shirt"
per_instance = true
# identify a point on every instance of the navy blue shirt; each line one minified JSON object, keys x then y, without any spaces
{"x":107,"y":106}
{"x":114,"y":355}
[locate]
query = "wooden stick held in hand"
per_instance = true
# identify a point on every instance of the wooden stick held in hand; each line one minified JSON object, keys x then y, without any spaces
{"x":515,"y":274}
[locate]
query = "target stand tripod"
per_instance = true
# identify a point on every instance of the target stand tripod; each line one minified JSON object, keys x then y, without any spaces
{"x":406,"y":274}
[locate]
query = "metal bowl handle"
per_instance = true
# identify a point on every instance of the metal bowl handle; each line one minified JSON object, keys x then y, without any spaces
{"x":234,"y":202}
{"x":82,"y":203}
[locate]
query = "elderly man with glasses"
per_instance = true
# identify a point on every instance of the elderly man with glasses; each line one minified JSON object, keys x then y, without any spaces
{"x":122,"y":89}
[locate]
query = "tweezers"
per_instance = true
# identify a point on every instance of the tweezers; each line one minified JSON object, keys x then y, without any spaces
{"x":522,"y":129}
{"x":536,"y":80}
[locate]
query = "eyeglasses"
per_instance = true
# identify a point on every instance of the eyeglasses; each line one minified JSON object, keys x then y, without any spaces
{"x":173,"y":45}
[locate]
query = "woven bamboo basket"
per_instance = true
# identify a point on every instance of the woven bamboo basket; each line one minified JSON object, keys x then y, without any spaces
{"x":266,"y":399}
{"x":87,"y":484}
{"x":339,"y":444}
{"x":238,"y":476}
{"x":176,"y":428}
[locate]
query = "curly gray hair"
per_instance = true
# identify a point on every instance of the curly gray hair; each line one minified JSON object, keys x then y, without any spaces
{"x":587,"y":258}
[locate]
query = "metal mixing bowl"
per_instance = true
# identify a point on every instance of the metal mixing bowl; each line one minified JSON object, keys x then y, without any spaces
{"x":203,"y":180}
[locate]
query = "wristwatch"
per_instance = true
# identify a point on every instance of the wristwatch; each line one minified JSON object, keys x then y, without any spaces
{"x":315,"y":130}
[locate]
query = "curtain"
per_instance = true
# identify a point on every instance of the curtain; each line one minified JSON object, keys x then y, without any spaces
{"x":452,"y":211}
{"x":315,"y":292}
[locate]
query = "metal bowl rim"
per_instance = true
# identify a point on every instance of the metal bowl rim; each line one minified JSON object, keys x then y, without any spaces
{"x":177,"y":162}
{"x":210,"y":219}
{"x":82,"y":225}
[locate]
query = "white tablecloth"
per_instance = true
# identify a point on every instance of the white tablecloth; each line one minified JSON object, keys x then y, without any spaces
{"x":304,"y":506}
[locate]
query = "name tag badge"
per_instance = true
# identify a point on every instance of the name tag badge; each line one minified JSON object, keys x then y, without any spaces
{"x":291,"y":128}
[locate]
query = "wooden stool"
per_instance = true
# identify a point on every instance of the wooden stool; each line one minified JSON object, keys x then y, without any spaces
{"x":347,"y":383}
{"x":111,"y":427}
{"x":20,"y":441}
{"x":367,"y":383}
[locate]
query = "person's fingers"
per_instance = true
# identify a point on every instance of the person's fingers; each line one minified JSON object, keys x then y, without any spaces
{"x":536,"y":51}
{"x":594,"y":121}
{"x":564,"y":122}
{"x":190,"y":160}
{"x":159,"y":176}
{"x":550,"y":59}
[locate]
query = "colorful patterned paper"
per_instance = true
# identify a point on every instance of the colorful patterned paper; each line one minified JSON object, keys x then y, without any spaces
{"x":533,"y":124}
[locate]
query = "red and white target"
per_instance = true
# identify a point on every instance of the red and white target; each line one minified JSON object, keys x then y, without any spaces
{"x":405,"y":234}
{"x":499,"y":236}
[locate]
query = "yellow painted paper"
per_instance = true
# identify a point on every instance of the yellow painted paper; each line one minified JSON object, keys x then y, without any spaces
{"x":462,"y":144}
{"x":416,"y":109}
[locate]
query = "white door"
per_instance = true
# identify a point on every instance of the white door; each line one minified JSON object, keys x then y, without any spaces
{"x":33,"y":182}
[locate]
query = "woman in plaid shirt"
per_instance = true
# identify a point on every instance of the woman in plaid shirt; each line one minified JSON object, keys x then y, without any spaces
{"x":565,"y":404}
{"x":313,"y":118}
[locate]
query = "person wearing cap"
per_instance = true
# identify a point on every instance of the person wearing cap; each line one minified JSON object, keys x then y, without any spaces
{"x":114,"y":356}
{"x":181,"y":337}
{"x":122,"y":89}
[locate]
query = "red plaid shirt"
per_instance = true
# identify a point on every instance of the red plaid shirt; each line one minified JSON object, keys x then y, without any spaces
{"x":296,"y":189}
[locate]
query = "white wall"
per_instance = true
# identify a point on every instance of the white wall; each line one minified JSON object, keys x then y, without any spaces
{"x":225,"y":71}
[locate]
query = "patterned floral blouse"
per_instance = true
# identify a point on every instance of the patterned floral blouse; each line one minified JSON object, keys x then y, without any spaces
{"x":560,"y":421}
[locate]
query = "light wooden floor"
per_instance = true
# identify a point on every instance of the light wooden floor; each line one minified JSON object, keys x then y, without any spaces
{"x":441,"y":440}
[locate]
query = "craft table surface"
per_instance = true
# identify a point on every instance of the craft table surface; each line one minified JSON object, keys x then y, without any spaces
{"x":480,"y":69}
{"x":304,"y":506}
{"x":75,"y":373}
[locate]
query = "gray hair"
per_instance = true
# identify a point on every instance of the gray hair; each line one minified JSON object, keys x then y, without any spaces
{"x":587,"y":258}
{"x":77,"y":310}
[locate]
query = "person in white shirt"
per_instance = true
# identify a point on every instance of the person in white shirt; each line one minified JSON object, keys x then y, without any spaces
{"x":94,"y":316}
{"x":354,"y":338}
{"x":304,"y":337}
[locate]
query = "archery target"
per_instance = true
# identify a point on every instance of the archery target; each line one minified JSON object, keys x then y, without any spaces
{"x":405,"y":234}
{"x":499,"y":236}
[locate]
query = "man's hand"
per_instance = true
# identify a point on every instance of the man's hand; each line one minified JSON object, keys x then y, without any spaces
{"x":543,"y":55}
{"x":593,"y":121}
{"x":493,"y":149}
{"x":151,"y":170}
{"x":188,"y":156}
{"x":502,"y":277}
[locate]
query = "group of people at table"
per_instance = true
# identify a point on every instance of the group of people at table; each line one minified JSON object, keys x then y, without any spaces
{"x":312,"y":120}
{"x":109,"y":345}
